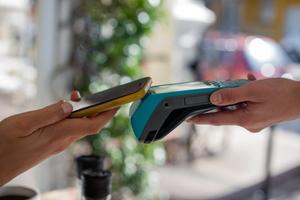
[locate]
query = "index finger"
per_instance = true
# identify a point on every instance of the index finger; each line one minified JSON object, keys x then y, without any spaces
{"x":80,"y":127}
{"x":235,"y":117}
{"x":251,"y":77}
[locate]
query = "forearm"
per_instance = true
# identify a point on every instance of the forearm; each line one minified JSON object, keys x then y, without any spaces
{"x":7,"y":173}
{"x":297,"y":98}
{"x":8,"y":170}
{"x":284,"y":104}
{"x":13,"y":163}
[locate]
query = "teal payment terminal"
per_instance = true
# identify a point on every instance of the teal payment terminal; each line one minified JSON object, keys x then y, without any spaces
{"x":166,"y":106}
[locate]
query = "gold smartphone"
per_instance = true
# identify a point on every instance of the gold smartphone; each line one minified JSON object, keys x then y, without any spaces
{"x":111,"y":98}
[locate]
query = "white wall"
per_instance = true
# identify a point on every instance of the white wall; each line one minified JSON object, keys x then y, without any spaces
{"x":53,"y":49}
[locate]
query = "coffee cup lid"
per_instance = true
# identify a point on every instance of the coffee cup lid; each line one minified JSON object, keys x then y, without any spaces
{"x":89,"y":162}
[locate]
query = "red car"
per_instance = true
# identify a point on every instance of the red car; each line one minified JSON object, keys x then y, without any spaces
{"x":224,"y":57}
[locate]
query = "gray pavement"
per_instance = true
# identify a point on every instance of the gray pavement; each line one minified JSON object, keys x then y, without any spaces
{"x":242,"y":165}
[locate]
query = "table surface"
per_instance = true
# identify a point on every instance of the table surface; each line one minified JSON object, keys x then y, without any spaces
{"x":66,"y":194}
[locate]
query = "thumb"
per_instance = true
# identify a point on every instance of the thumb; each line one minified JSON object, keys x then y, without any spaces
{"x":229,"y":96}
{"x":33,"y":120}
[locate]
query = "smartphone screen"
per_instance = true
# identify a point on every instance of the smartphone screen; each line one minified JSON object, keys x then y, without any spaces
{"x":111,"y":94}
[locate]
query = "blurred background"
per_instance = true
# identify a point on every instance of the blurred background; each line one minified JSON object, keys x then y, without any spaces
{"x":49,"y":47}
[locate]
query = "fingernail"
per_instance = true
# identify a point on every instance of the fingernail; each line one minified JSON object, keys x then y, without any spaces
{"x":216,"y":98}
{"x":67,"y":107}
{"x":77,"y":94}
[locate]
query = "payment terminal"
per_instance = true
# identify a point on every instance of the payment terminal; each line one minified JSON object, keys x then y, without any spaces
{"x":164,"y":107}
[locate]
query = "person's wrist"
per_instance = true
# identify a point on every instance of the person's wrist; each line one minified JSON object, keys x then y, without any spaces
{"x":7,"y":170}
{"x":297,"y":97}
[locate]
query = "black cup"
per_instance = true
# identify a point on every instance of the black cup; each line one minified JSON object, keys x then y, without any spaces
{"x":89,"y":162}
{"x":96,"y":185}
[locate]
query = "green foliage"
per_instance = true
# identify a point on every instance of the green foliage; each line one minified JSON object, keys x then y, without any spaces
{"x":109,"y":37}
{"x":114,"y":36}
{"x":130,"y":161}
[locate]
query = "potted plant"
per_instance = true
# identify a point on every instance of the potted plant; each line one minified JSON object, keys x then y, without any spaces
{"x":109,"y":38}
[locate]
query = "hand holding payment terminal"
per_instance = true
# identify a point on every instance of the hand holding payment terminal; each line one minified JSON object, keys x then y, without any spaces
{"x":167,"y":106}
